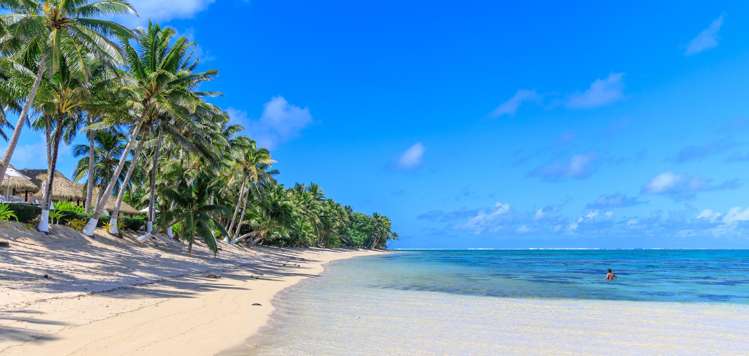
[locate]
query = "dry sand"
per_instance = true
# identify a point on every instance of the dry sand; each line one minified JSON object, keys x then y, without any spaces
{"x":112,"y":296}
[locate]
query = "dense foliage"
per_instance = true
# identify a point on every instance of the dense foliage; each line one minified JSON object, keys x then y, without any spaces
{"x":155,"y":140}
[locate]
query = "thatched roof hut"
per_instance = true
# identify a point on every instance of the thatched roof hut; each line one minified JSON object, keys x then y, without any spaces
{"x":62,"y":187}
{"x":65,"y":189}
{"x":125,"y":208}
{"x":16,"y":182}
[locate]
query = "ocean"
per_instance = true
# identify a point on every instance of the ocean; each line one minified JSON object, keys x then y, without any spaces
{"x":516,"y":302}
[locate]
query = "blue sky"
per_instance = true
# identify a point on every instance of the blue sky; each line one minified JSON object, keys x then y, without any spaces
{"x":493,"y":124}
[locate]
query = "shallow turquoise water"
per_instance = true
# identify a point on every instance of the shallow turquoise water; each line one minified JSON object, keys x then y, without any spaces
{"x":643,"y":275}
{"x":495,"y":302}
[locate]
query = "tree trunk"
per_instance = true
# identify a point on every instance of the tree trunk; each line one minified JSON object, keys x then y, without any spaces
{"x":241,"y":215}
{"x":22,"y":117}
{"x":152,"y":198}
{"x":88,"y":230}
{"x":113,"y":229}
{"x":91,"y":166}
{"x":53,"y":144}
{"x":236,"y":207}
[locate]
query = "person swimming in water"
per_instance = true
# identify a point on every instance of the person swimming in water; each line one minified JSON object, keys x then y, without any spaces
{"x":610,"y":276}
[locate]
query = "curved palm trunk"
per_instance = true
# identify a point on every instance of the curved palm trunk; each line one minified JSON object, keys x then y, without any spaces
{"x":230,"y":228}
{"x":152,"y":197}
{"x":113,"y":229}
{"x":88,"y":230}
{"x":22,"y":118}
{"x":52,"y":150}
{"x":241,"y":215}
{"x":91,"y":165}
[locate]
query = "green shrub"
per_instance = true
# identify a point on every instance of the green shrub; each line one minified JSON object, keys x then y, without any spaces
{"x":25,"y":213}
{"x":66,"y":211}
{"x":77,"y":224}
{"x":134,"y":223}
{"x":6,"y":213}
{"x":55,"y":216}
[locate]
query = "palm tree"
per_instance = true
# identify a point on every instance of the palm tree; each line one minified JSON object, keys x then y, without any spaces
{"x":56,"y":30}
{"x":11,"y":92}
{"x":60,"y":98}
{"x":106,"y":99}
{"x":191,"y":208}
{"x":253,"y":166}
{"x":160,"y":86}
{"x":107,"y":147}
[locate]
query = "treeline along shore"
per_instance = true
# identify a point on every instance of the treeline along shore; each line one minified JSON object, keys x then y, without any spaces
{"x":159,"y":157}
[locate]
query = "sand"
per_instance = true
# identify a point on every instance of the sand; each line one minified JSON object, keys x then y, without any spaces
{"x":65,"y":294}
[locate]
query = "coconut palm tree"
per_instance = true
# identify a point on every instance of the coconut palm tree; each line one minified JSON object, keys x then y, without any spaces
{"x":255,"y":166}
{"x":40,"y":35}
{"x":107,"y":148}
{"x":160,"y":86}
{"x":60,"y":99}
{"x":192,"y":211}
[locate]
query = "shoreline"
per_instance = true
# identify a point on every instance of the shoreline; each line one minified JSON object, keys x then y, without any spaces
{"x":164,"y":303}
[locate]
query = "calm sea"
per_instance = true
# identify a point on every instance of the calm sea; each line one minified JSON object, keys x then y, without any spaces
{"x":434,"y":301}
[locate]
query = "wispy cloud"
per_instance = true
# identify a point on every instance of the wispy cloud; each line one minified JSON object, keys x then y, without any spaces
{"x":684,"y":187}
{"x":576,"y":167}
{"x":699,"y":152}
{"x":600,"y":93}
{"x":511,"y":106}
{"x":487,"y":219}
{"x":612,"y":201}
{"x":167,"y":10}
{"x":501,"y":220}
{"x":411,"y":157}
{"x":279,"y":122}
{"x":706,"y":39}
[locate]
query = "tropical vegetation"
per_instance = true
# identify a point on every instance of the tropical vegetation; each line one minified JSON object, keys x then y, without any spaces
{"x":153,"y":137}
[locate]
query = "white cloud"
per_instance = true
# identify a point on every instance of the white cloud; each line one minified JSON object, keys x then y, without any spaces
{"x":736,"y":215}
{"x":706,"y":39}
{"x":578,"y":166}
{"x":412,"y":157}
{"x":709,"y":215}
{"x":663,"y":182}
{"x":279,"y":122}
{"x":601,"y":92}
{"x":160,"y":10}
{"x":685,"y":187}
{"x":510,"y":107}
{"x":484,"y":220}
{"x":523,"y":229}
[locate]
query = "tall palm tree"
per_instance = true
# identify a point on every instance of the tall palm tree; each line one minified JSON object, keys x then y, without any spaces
{"x":254,"y":166}
{"x":59,"y":100}
{"x":160,"y":85}
{"x":38,"y":32}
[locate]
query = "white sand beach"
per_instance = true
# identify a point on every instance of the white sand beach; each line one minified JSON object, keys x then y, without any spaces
{"x":111,"y":296}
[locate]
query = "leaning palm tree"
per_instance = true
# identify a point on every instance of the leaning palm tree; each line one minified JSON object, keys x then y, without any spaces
{"x":60,"y":98}
{"x":38,"y":35}
{"x":193,"y":210}
{"x":159,"y":85}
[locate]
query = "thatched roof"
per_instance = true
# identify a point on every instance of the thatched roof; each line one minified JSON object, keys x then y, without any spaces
{"x":65,"y":189}
{"x":18,"y":182}
{"x":124,"y":207}
{"x":62,"y":187}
